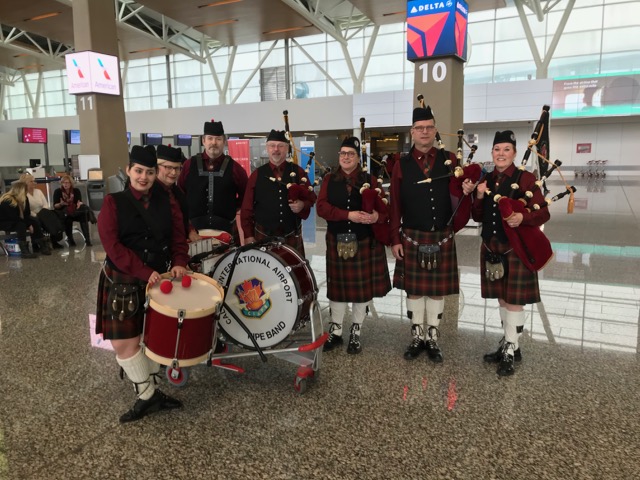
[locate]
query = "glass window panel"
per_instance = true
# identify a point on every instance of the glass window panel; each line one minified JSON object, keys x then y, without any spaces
{"x":159,"y":102}
{"x":481,"y":54}
{"x":188,"y":100}
{"x":383,"y":83}
{"x":54,"y":98}
{"x":578,"y":65}
{"x":309,"y":39}
{"x":157,"y":72}
{"x":138,"y":74}
{"x":307,"y":73}
{"x":158,"y":59}
{"x":187,"y":85}
{"x":138,"y":62}
{"x":187,"y":68}
{"x":315,"y":51}
{"x":140,"y":89}
{"x":621,"y":15}
{"x":572,"y":44}
{"x":332,"y":91}
{"x":159,"y":87}
{"x":338,"y":69}
{"x":246,"y":61}
{"x":383,"y":64}
{"x":392,"y":28}
{"x":137,"y":104}
{"x":19,"y":113}
{"x":621,"y":39}
{"x":388,"y":43}
{"x":211,"y":97}
{"x":275,"y":58}
{"x":481,"y":32}
{"x":508,"y":12}
{"x":512,"y":72}
{"x":480,"y":74}
{"x":620,"y":62}
{"x":17,"y":89}
{"x":512,"y":51}
{"x":582,"y":19}
{"x":510,"y":29}
{"x":334,"y":51}
{"x":481,"y":16}
{"x":249,"y":95}
{"x":18,"y":101}
{"x":55,"y":111}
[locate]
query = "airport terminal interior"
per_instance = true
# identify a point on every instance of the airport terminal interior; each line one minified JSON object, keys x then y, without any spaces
{"x":568,"y":412}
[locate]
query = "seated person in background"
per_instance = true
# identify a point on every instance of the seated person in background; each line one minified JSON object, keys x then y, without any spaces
{"x":68,"y":202}
{"x":41,"y":211}
{"x":15,"y":215}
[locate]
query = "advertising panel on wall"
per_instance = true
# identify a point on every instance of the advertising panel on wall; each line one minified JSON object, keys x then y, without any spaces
{"x":596,"y":95}
{"x":436,"y":29}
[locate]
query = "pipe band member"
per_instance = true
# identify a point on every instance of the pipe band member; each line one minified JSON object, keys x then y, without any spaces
{"x":214,"y":184}
{"x":357,"y":268}
{"x":421,"y":234}
{"x":143,"y":235}
{"x":278,"y":197}
{"x":516,"y":286}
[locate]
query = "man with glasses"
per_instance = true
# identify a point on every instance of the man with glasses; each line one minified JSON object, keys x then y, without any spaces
{"x":169,"y":167}
{"x":423,"y":200}
{"x":214,"y":184}
{"x":278,"y":197}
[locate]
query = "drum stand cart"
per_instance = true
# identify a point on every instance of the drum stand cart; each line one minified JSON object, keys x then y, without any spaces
{"x":302,"y":347}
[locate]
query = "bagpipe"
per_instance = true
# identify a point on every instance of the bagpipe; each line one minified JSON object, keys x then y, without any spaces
{"x":457,"y":175}
{"x":298,"y":187}
{"x":374,"y":197}
{"x":529,"y":242}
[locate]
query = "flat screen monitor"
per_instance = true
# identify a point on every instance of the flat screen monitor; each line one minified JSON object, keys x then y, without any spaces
{"x":32,"y":135}
{"x":73,"y":137}
{"x":182,"y":140}
{"x":151,"y":138}
{"x":128,"y":138}
{"x":34,"y":162}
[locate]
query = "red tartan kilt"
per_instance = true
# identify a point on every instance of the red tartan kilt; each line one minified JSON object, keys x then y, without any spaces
{"x":414,"y":279}
{"x":358,"y":279}
{"x":519,"y":286}
{"x":294,"y":241}
{"x":111,"y":328}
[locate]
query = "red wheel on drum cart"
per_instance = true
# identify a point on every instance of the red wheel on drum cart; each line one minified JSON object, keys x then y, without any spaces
{"x":181,"y":376}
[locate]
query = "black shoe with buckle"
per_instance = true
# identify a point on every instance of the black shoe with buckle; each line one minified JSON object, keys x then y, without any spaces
{"x":334,"y":340}
{"x":354,"y":346}
{"x":506,"y":366}
{"x":433,"y":350}
{"x":495,"y":357}
{"x":159,"y":401}
{"x":417,"y":345}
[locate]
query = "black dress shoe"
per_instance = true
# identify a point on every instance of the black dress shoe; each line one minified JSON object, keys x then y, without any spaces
{"x":159,"y":401}
{"x":506,"y":367}
{"x":354,"y":346}
{"x":495,"y":357}
{"x":415,"y":348}
{"x":56,"y":245}
{"x":332,"y":342}
{"x":431,"y":344}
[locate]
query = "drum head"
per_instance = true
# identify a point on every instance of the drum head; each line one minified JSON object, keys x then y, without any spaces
{"x":198,"y":300}
{"x":262,"y":293}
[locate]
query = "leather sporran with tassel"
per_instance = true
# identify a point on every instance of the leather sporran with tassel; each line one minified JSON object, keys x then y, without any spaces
{"x":124,"y":300}
{"x":494,"y":266}
{"x":347,"y":245}
{"x":428,"y":256}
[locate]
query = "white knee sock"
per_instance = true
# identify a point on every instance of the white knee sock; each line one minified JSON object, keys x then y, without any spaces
{"x":137,"y":369}
{"x":416,"y":307}
{"x":434,"y":311}
{"x":514,"y":321}
{"x":338,"y":309}
{"x":359,"y":312}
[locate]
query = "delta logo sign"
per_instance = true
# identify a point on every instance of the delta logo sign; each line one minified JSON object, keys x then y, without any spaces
{"x":91,"y":72}
{"x":436,"y":29}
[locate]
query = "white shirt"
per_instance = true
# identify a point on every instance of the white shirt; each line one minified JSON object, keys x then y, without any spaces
{"x":37,"y":201}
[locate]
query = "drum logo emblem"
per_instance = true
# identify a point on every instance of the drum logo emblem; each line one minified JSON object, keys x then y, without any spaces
{"x":253,"y":299}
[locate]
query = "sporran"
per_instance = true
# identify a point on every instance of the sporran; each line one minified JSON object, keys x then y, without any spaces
{"x":347,"y":245}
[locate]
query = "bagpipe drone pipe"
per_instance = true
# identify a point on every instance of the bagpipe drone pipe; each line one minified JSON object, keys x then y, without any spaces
{"x":529,"y":242}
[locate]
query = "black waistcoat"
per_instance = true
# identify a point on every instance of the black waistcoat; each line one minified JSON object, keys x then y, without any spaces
{"x":224,"y":192}
{"x":338,"y":196}
{"x":425,"y":207}
{"x":135,"y":234}
{"x":270,"y":201}
{"x":491,"y":217}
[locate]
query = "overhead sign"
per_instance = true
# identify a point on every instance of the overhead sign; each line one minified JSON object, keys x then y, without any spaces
{"x":436,"y":29}
{"x":92,"y":72}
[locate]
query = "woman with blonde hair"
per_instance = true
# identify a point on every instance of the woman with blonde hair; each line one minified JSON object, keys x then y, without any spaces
{"x":42,"y":212}
{"x":68,"y":202}
{"x":15,"y":214}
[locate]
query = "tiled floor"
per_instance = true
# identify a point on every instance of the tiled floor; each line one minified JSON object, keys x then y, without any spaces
{"x":570,"y":411}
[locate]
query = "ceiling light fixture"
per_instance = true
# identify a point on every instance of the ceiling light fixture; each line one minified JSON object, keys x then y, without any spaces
{"x":403,"y":12}
{"x":283,"y":30}
{"x":42,"y":17}
{"x":218,"y":4}
{"x":311,"y":134}
{"x":215,"y":24}
{"x":148,"y":50}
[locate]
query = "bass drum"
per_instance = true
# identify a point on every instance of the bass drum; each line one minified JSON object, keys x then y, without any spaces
{"x":271,"y":293}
